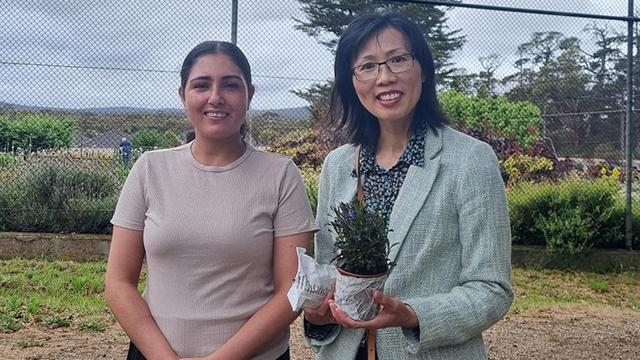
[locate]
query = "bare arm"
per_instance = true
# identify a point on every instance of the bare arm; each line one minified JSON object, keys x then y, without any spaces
{"x":276,"y":314}
{"x":126,"y":303}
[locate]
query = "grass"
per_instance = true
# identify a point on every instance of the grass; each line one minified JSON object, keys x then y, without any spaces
{"x":71,"y":294}
{"x":53,"y":294}
{"x":539,"y":288}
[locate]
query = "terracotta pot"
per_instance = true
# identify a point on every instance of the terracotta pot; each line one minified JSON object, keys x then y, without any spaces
{"x":354,"y":293}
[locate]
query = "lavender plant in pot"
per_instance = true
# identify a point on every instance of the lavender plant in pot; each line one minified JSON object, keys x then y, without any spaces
{"x":362,"y":258}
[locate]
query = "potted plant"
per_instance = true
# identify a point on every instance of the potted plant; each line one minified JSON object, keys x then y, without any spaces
{"x":362,"y":251}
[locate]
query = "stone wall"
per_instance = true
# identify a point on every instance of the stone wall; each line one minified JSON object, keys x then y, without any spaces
{"x":87,"y":247}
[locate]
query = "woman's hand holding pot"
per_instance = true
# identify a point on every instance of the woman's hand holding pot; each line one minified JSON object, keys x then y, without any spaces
{"x":393,"y":313}
{"x":322,"y":315}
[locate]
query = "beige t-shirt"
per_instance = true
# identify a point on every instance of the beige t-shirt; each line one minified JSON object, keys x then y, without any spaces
{"x":208,"y":238}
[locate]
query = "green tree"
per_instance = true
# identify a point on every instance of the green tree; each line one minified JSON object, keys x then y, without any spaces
{"x":318,"y":97}
{"x":551,"y":75}
{"x":37,"y":131}
{"x":147,"y":139}
{"x":608,"y":66}
{"x":483,"y":83}
{"x":331,"y":17}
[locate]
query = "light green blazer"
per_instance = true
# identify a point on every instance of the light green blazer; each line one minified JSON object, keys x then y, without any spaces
{"x":453,"y":258}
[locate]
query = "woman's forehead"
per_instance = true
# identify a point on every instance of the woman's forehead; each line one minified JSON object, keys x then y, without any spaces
{"x":386,"y":41}
{"x":219,"y":65}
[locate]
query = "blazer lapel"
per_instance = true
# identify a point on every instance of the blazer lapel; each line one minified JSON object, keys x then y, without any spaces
{"x":414,"y":191}
{"x":347,"y":183}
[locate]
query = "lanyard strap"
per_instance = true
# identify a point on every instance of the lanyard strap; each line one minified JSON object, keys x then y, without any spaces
{"x":356,"y":167}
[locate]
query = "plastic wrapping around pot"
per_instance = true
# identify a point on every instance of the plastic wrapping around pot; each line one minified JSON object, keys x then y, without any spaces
{"x":312,"y":283}
{"x":354,"y":294}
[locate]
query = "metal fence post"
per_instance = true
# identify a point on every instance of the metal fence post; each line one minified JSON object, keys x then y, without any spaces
{"x":234,"y":21}
{"x":628,"y":150}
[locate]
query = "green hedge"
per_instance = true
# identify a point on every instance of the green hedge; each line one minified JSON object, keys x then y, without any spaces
{"x":521,"y":120}
{"x":570,"y":216}
{"x":36,"y":131}
{"x":59,"y":199}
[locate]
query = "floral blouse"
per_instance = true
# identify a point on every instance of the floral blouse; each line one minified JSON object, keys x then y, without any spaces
{"x":381,"y":186}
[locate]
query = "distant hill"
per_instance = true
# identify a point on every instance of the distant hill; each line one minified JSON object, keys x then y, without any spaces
{"x":294,"y":113}
{"x":105,"y":110}
{"x":130,"y":110}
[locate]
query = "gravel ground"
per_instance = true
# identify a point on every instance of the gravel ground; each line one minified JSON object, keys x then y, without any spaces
{"x":567,"y":333}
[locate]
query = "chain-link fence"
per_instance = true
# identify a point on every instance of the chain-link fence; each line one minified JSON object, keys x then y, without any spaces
{"x":86,"y":87}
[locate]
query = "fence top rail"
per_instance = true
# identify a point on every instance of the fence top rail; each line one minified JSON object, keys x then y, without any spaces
{"x":524,"y":10}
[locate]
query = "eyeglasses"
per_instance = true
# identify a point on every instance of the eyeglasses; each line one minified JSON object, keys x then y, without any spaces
{"x":397,"y":64}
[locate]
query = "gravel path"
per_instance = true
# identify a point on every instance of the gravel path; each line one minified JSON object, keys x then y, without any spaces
{"x":568,"y":333}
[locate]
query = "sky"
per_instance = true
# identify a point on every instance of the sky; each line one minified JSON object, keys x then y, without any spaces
{"x":122,"y":53}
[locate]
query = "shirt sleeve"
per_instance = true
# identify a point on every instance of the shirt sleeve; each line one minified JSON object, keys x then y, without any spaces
{"x":294,"y":214}
{"x":131,"y":209}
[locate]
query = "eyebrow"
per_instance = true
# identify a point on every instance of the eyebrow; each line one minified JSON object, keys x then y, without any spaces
{"x":388,"y":53}
{"x":209,"y":78}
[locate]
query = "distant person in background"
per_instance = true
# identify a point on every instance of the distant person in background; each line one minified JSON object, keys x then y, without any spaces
{"x":218,"y":223}
{"x":125,"y":151}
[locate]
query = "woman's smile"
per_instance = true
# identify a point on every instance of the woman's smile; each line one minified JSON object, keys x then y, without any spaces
{"x":389,"y":98}
{"x":216,"y":115}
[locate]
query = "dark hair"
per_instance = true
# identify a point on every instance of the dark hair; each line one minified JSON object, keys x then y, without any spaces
{"x":345,"y":110}
{"x":215,"y":47}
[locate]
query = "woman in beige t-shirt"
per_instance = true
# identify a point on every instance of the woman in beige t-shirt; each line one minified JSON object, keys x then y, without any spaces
{"x":217,"y":222}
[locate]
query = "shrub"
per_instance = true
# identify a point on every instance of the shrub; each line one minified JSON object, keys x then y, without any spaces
{"x":523,"y":167}
{"x":566,"y":230}
{"x":310,"y":177}
{"x":613,"y":235}
{"x":569,"y":216}
{"x":90,"y":216}
{"x":266,"y":136}
{"x":518,"y":120}
{"x":308,"y":147}
{"x":147,"y":139}
{"x":269,"y":127}
{"x":7,"y":160}
{"x":169,"y":139}
{"x":54,"y":186}
{"x":540,"y":149}
{"x":59,"y":199}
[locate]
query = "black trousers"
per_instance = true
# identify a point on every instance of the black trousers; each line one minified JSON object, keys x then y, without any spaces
{"x":362,"y":353}
{"x":135,"y":354}
{"x":362,"y":349}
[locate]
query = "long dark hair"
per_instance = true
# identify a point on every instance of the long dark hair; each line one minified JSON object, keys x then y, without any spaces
{"x":346,"y":113}
{"x":215,"y":47}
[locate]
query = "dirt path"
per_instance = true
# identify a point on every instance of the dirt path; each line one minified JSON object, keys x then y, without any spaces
{"x":584,"y":333}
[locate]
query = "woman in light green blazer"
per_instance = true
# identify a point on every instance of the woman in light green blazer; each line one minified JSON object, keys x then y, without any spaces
{"x":440,"y":191}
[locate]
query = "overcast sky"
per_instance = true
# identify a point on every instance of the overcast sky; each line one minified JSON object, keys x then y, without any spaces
{"x":81,"y":54}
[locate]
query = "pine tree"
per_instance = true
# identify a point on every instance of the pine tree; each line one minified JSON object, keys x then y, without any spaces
{"x":331,"y":17}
